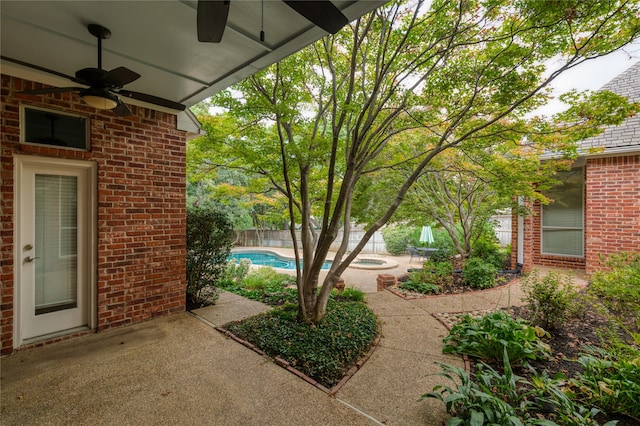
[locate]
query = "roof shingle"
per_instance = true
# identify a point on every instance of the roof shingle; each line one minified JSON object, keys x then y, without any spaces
{"x":626,"y":134}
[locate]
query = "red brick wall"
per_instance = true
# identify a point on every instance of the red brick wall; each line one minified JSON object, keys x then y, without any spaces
{"x":141,"y":206}
{"x":541,"y":259}
{"x":612,"y":216}
{"x":612,"y":207}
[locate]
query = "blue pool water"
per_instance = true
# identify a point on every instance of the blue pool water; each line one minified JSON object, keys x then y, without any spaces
{"x":267,"y":258}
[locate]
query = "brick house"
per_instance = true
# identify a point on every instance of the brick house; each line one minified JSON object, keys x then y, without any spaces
{"x":93,"y":204}
{"x":596,"y":208}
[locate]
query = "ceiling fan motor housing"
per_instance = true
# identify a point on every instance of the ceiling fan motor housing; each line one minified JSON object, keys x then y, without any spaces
{"x":93,"y":76}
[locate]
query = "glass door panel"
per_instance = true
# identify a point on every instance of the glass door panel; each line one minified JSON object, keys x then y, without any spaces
{"x":56,"y":243}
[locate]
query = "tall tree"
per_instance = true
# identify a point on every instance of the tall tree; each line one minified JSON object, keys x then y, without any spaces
{"x":465,"y":73}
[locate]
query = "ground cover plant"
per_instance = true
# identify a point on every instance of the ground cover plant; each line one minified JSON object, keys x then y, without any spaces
{"x":324,"y":351}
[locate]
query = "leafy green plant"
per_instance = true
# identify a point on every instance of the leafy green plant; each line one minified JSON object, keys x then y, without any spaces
{"x":479,"y":274}
{"x":209,"y":234}
{"x":609,"y":382}
{"x":397,"y":238}
{"x":420,"y":287}
{"x":263,"y":284}
{"x":489,"y":336}
{"x":490,"y":397}
{"x":234,"y":272}
{"x":267,"y":279}
{"x":442,"y":241}
{"x":487,"y":249}
{"x":441,"y":255}
{"x":348,"y":294}
{"x":443,"y":269}
{"x":430,"y":278}
{"x":618,"y":287}
{"x":324,"y":351}
{"x":552,"y":298}
{"x":479,"y":401}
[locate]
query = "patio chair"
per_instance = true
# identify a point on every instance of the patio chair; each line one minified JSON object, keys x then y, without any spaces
{"x":414,"y":251}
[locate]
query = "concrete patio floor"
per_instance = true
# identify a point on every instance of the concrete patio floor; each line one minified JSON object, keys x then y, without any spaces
{"x":180,"y":370}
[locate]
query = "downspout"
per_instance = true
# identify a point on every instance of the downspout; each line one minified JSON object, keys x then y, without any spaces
{"x":520,"y":255}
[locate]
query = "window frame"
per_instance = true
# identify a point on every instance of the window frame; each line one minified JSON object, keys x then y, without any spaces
{"x":23,"y":127}
{"x":544,"y":228}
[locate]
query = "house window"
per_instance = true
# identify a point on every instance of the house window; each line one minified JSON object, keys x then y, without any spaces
{"x":563,"y":218}
{"x":44,"y":127}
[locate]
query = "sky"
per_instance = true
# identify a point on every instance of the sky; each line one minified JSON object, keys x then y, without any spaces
{"x":592,"y":75}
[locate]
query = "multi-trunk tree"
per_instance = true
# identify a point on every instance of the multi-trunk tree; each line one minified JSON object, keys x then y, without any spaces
{"x":461,"y":73}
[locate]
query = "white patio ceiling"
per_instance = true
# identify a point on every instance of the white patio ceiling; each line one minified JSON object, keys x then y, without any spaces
{"x":156,"y":39}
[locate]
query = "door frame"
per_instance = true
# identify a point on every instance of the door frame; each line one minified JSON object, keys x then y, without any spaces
{"x":90,"y":170}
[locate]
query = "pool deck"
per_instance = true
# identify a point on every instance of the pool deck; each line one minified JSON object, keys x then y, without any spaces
{"x":359,"y":277}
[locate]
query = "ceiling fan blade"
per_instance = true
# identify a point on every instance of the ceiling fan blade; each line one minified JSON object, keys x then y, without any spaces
{"x":322,"y":13}
{"x":118,"y":77}
{"x":121,"y":109}
{"x":212,"y":19}
{"x":152,"y":100}
{"x":51,"y":90}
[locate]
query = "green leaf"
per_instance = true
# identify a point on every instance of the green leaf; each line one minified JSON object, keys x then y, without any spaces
{"x":476,"y":418}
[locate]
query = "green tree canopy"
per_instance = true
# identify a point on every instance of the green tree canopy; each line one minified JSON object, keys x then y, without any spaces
{"x":463,"y":74}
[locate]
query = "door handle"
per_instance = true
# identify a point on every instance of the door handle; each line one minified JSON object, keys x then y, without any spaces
{"x":30,"y":259}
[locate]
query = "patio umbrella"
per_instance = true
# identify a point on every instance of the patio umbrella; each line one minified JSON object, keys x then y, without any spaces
{"x":426,"y":236}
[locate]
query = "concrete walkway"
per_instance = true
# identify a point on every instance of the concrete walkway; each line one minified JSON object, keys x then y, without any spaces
{"x":180,"y":370}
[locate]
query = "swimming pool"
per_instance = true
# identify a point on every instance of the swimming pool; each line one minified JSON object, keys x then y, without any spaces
{"x":268,"y":258}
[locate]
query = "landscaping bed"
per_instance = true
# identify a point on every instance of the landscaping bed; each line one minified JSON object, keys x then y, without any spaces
{"x":583,"y":367}
{"x":322,"y":353}
{"x":325,"y":351}
{"x":444,"y":280}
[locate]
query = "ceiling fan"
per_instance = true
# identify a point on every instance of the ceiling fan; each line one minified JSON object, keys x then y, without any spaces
{"x":212,"y":16}
{"x":105,"y":86}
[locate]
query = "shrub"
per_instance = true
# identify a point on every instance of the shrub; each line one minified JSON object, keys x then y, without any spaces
{"x":489,"y":336}
{"x":443,"y":269}
{"x":552,"y":299}
{"x":397,"y":238}
{"x":323,"y":351}
{"x":488,"y":250}
{"x":619,"y":286}
{"x":479,"y":274}
{"x":267,"y":279}
{"x":430,"y":278}
{"x":609,"y":382}
{"x":234,"y":273}
{"x":209,"y":236}
{"x":442,"y":240}
{"x":440,"y":256}
{"x":263,"y":284}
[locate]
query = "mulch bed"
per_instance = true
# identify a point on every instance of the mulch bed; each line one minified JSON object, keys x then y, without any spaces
{"x":566,"y":342}
{"x":454,"y":286}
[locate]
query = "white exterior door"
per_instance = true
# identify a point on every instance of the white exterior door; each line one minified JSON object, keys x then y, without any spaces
{"x":54,"y":254}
